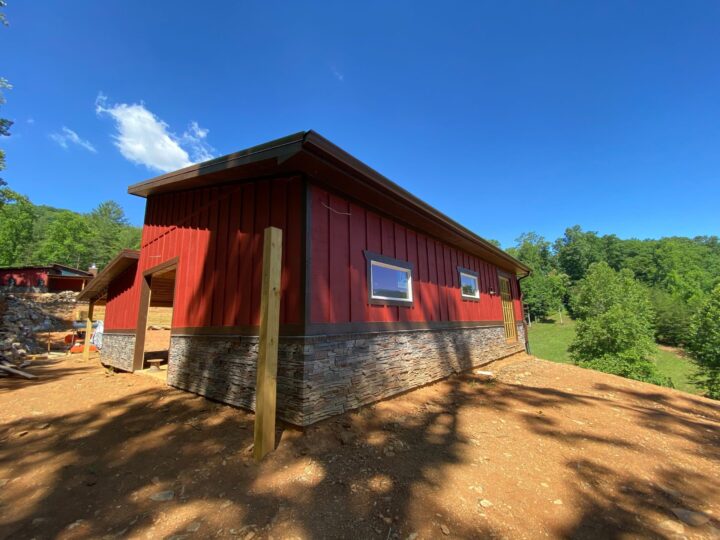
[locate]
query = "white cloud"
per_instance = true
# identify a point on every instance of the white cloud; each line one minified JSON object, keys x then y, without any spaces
{"x":67,"y":136}
{"x":339,"y":76}
{"x":145,"y":139}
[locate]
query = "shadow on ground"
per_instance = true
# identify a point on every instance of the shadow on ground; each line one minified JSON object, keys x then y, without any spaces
{"x":385,"y":471}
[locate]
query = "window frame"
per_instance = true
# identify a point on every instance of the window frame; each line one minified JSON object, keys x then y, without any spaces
{"x":393,"y":264}
{"x":475,"y":276}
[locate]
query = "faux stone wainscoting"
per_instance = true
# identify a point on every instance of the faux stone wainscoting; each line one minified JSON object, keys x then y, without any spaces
{"x":118,"y":350}
{"x":321,"y":376}
{"x":224,"y":368}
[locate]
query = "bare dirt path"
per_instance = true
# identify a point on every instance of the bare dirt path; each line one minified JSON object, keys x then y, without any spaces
{"x":546,"y":450}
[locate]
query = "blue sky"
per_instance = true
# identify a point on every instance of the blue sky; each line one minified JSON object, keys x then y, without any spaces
{"x":507,"y":116}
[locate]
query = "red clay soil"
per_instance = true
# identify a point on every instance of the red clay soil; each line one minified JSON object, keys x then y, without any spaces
{"x":545,"y":450}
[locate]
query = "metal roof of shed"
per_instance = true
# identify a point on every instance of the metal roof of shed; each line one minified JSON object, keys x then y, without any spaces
{"x":97,"y":287}
{"x":309,"y":153}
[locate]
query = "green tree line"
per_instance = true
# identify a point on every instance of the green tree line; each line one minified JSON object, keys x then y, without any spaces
{"x":35,"y":234}
{"x":626,"y":294}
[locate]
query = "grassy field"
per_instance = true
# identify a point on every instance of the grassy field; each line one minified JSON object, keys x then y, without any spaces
{"x":550,"y":341}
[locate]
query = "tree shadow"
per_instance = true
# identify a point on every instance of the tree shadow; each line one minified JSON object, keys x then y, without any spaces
{"x":37,"y":368}
{"x":354,"y":476}
{"x":381,"y":471}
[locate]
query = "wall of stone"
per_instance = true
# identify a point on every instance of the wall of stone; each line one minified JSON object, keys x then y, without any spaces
{"x":224,"y":368}
{"x":345,"y":372}
{"x":321,"y":376}
{"x":118,"y":350}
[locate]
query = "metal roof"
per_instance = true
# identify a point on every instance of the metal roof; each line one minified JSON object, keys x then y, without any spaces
{"x":97,"y":287}
{"x":309,"y":153}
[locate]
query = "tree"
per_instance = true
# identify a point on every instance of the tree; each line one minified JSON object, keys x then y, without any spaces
{"x":614,"y":333}
{"x":543,"y":294}
{"x":106,"y":223}
{"x":673,"y":317}
{"x":577,"y":250}
{"x":65,"y":241}
{"x":17,"y":215}
{"x":704,"y":344}
{"x":545,"y":289}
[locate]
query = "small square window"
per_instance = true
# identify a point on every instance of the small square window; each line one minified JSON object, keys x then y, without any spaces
{"x":390,"y":280}
{"x":469,"y":284}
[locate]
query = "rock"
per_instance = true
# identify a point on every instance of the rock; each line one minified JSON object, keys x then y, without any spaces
{"x":346,"y":437}
{"x":696,"y":519}
{"x":412,"y":536}
{"x":673,"y":526}
{"x":193,"y":527}
{"x":75,"y":524}
{"x":3,"y":482}
{"x":163,"y":496}
{"x":445,"y":530}
{"x":485,"y":503}
{"x":485,"y":375}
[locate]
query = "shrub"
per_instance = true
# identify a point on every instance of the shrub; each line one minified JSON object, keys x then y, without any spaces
{"x":614,"y":331}
{"x":673,"y":318}
{"x":704,"y":343}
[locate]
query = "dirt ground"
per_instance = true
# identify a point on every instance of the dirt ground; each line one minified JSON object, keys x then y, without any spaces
{"x":545,"y":450}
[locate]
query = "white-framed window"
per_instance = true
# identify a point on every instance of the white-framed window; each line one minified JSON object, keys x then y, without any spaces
{"x":390,"y":280}
{"x":469,"y":287}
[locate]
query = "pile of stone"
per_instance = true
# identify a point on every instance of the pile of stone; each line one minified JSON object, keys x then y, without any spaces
{"x":24,"y":315}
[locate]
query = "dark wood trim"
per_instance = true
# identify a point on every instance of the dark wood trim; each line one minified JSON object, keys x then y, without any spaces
{"x":476,"y":275}
{"x":468,"y":271}
{"x":370,"y":257}
{"x":238,"y":331}
{"x":317,"y":329}
{"x":396,"y":326}
{"x":167,"y":265}
{"x":140,"y":329}
{"x":125,"y":332}
{"x":145,"y":294}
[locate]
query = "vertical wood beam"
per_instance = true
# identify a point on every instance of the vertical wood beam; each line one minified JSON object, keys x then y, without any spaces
{"x":266,"y":387}
{"x":141,"y":327}
{"x":88,"y":331}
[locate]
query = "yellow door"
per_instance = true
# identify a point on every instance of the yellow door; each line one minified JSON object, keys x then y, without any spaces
{"x":508,"y":310}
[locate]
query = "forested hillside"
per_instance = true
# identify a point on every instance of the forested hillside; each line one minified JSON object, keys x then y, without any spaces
{"x":678,"y":272}
{"x":32,"y":234}
{"x":625,"y":294}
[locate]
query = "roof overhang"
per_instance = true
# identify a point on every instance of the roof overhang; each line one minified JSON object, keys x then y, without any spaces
{"x":96,"y":289}
{"x":331,"y":167}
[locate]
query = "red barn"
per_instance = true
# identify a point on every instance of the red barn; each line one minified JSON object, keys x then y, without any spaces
{"x":380,"y":292}
{"x":51,"y":277}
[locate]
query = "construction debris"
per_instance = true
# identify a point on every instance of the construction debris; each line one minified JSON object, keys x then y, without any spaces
{"x":8,"y":367}
{"x":23,"y":315}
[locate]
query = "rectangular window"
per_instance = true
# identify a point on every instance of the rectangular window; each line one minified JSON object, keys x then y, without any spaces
{"x":469,"y":284}
{"x":390,"y":280}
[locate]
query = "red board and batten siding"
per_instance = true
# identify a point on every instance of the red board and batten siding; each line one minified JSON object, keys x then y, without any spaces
{"x":340,"y":233}
{"x":25,"y":277}
{"x":216,"y":233}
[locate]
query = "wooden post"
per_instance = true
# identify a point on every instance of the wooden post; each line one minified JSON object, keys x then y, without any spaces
{"x":265,"y":389}
{"x":88,"y":331}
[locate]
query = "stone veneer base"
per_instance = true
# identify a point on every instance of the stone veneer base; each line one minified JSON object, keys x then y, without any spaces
{"x":321,"y":376}
{"x":118,"y":350}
